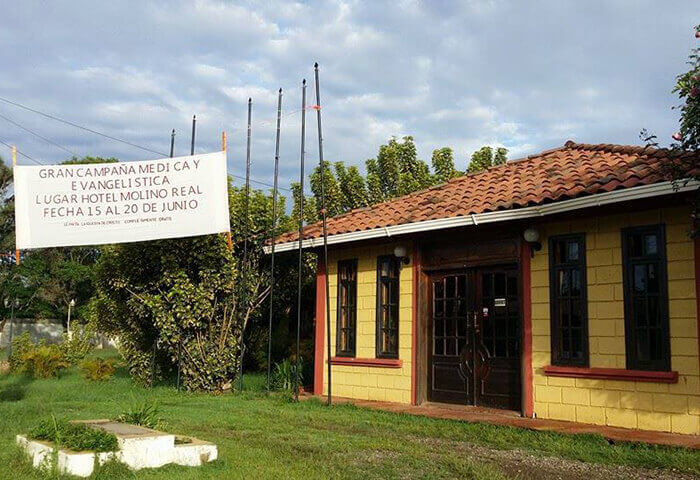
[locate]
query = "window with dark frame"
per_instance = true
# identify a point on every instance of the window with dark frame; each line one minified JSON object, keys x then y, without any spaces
{"x":646,"y":298}
{"x":568,"y":300}
{"x":347,"y":308}
{"x":388,"y":268}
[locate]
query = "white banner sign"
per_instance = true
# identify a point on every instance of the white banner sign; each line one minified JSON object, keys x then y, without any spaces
{"x":67,"y":205}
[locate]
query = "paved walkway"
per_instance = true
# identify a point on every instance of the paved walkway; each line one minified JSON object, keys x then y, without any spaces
{"x":513,"y":419}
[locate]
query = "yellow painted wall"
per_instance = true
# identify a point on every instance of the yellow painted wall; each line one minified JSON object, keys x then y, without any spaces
{"x":371,"y":383}
{"x":649,"y":406}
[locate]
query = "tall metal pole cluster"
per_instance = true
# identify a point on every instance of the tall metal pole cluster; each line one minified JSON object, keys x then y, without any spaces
{"x":273,"y":231}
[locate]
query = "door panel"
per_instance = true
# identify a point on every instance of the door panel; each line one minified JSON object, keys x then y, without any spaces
{"x":498,"y":339}
{"x":474,"y":355}
{"x":451,"y":366}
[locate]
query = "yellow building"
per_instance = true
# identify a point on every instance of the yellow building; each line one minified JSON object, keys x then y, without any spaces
{"x":562,"y":286}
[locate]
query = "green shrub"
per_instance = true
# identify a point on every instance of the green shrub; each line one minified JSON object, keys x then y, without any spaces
{"x":20,"y":346}
{"x":74,"y":436}
{"x":146,"y":414}
{"x":283,"y":377}
{"x":79,"y":344}
{"x":44,"y":361}
{"x":97,"y":369}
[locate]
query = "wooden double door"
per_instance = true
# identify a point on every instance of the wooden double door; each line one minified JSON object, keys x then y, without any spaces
{"x":475,"y":338}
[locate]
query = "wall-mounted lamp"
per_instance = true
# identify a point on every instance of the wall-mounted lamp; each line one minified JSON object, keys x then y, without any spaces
{"x":401,"y":253}
{"x":532,"y":236}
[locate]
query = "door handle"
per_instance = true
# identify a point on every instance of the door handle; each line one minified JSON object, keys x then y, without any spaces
{"x":477,"y":325}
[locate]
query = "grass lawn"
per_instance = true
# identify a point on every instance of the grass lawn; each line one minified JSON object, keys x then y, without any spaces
{"x":262,"y":436}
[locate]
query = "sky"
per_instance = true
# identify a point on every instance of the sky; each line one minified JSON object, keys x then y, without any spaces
{"x":524,"y":75}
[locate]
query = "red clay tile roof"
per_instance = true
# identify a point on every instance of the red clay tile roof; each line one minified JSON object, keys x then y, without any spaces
{"x":574,"y":170}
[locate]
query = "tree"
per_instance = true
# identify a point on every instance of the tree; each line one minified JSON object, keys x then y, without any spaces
{"x":310,"y":210}
{"x":333,"y":196}
{"x":55,"y":276}
{"x":396,"y":171}
{"x":375,"y":190}
{"x":7,"y":217}
{"x":353,"y":191}
{"x":444,"y":165}
{"x":48,"y":279}
{"x":485,"y":158}
{"x":684,"y":161}
{"x":688,"y":89}
{"x":190,"y":297}
{"x":501,"y":156}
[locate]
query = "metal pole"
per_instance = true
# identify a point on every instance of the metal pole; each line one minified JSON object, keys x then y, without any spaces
{"x":246,"y":233}
{"x":179,"y":362}
{"x":229,"y":240}
{"x":14,"y":166}
{"x":247,"y":186}
{"x":322,"y":166}
{"x":68,"y":323}
{"x":172,"y":143}
{"x":194,"y":128}
{"x":301,"y":227}
{"x":272,"y":237}
{"x":12,"y":322}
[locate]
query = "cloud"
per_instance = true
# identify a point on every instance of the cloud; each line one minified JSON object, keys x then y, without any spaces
{"x":527,"y":76}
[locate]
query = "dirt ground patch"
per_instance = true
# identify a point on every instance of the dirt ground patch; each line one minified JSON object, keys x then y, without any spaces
{"x":528,"y":466}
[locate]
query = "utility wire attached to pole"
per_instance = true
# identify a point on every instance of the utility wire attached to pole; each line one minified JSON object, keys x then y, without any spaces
{"x":58,"y":119}
{"x":31,"y":132}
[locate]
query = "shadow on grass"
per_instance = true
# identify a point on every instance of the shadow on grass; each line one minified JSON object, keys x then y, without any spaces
{"x":14,"y":391}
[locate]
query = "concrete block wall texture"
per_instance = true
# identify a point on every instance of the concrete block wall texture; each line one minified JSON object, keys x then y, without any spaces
{"x":371,"y":383}
{"x":49,"y":330}
{"x":648,"y":406}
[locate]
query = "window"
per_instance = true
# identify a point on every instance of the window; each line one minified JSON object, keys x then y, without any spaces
{"x":568,"y":308}
{"x":388,"y":307}
{"x":646,"y":298}
{"x":347,"y":308}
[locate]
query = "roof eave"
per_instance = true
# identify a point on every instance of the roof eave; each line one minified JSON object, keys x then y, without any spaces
{"x":595,"y":200}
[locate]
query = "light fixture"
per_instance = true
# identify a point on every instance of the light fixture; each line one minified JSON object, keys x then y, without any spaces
{"x":532,"y":236}
{"x":72,"y":303}
{"x":401,"y":253}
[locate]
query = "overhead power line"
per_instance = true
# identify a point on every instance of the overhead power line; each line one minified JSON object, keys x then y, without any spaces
{"x":51,"y":142}
{"x":58,"y":119}
{"x":22,"y":153}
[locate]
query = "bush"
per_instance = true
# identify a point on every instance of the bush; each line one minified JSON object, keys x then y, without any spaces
{"x":79,"y":344}
{"x":97,"y":369}
{"x":44,"y":361}
{"x":21,"y":345}
{"x":283,"y":377}
{"x":192,"y":306}
{"x":74,"y":436}
{"x":146,"y":414}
